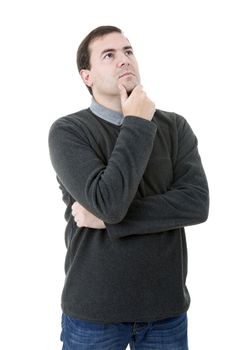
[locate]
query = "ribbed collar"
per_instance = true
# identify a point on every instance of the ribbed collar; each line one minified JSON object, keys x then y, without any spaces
{"x":106,"y":113}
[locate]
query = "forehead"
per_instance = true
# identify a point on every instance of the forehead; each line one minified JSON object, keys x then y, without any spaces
{"x":114,"y":41}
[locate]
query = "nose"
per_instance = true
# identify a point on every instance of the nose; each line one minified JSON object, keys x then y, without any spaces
{"x":122,"y":61}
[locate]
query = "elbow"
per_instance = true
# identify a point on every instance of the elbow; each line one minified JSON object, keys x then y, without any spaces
{"x":107,"y":205}
{"x":204,"y":208}
{"x":114,"y":215}
{"x":113,"y":219}
{"x":204,"y":216}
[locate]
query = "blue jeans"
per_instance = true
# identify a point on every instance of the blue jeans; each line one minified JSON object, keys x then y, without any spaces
{"x":168,"y":334}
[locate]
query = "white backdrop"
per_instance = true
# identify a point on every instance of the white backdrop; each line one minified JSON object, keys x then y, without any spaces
{"x":184,"y":49}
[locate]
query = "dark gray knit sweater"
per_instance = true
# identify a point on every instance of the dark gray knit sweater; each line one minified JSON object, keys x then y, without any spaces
{"x":145,"y":180}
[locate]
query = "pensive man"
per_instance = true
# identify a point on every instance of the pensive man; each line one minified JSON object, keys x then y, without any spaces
{"x":132,"y":179}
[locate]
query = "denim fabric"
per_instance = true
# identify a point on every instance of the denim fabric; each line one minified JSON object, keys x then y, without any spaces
{"x":168,"y":334}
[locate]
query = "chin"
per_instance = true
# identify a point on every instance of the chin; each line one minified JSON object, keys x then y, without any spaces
{"x":130,"y":85}
{"x":129,"y":89}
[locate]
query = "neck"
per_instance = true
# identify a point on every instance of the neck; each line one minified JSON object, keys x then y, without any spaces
{"x":113,"y":103}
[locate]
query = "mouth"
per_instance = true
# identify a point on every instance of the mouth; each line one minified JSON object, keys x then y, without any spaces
{"x":126,"y":74}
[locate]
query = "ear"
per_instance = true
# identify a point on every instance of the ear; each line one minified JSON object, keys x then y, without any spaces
{"x":86,"y":77}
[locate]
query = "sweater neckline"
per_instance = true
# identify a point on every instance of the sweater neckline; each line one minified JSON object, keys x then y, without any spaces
{"x":106,"y":113}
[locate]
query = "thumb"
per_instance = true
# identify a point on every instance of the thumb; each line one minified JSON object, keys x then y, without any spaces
{"x":123,"y":93}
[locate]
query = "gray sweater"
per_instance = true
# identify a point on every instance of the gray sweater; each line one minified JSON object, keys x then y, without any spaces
{"x":145,"y":180}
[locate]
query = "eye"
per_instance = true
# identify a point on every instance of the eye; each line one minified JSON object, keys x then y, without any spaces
{"x":108,"y":55}
{"x":129,"y":52}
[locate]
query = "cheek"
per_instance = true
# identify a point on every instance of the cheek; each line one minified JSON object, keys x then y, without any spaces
{"x":137,"y":73}
{"x":106,"y":79}
{"x":136,"y":68}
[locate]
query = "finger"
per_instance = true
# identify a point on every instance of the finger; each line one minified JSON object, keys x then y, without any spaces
{"x":123,"y":93}
{"x":74,"y":205}
{"x":138,"y":88}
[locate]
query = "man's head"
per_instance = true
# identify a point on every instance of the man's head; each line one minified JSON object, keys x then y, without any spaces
{"x":105,"y":59}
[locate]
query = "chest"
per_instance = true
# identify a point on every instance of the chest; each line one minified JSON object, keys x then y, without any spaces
{"x":158,"y":175}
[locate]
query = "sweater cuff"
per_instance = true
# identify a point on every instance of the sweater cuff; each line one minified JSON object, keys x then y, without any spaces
{"x":140,"y":122}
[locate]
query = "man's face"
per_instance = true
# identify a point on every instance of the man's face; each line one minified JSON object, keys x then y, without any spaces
{"x":112,"y":62}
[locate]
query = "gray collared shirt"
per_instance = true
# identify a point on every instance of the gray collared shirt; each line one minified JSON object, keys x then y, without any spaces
{"x":106,"y":113}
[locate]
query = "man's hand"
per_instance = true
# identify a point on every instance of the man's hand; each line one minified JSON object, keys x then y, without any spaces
{"x":84,"y":218}
{"x":137,"y":104}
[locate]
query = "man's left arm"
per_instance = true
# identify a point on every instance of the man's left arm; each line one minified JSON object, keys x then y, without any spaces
{"x":185,"y":203}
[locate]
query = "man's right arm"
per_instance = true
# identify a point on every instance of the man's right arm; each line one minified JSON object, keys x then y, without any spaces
{"x":106,"y":190}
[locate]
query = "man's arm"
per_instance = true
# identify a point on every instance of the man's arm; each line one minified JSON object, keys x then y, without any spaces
{"x":185,"y":203}
{"x":106,"y":190}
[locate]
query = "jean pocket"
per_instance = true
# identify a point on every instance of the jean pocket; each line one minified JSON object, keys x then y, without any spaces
{"x":77,"y":324}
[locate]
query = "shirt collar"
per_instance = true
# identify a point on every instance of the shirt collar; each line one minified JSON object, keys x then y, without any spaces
{"x":106,"y":113}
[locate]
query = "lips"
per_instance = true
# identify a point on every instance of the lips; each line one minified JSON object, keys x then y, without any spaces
{"x":126,"y":74}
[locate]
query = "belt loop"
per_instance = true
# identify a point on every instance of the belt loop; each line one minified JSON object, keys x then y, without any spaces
{"x":134,"y":328}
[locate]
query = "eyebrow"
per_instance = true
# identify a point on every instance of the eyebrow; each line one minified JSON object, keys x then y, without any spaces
{"x":114,"y":50}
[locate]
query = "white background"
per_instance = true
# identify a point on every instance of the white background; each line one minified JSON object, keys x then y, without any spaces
{"x":184,"y":49}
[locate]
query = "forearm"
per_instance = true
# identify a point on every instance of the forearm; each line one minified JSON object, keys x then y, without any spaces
{"x":163,"y":212}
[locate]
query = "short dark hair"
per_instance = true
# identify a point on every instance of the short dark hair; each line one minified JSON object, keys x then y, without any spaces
{"x":83,"y":53}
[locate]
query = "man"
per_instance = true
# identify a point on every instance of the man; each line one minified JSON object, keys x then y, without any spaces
{"x":132,"y":179}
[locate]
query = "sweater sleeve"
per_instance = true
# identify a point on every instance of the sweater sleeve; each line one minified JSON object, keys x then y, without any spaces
{"x":106,"y":190}
{"x":185,"y":203}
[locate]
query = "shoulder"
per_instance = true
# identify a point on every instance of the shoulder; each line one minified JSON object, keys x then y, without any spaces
{"x":168,"y":118}
{"x":69,"y":128}
{"x":72,"y":120}
{"x":76,"y":123}
{"x":172,"y":121}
